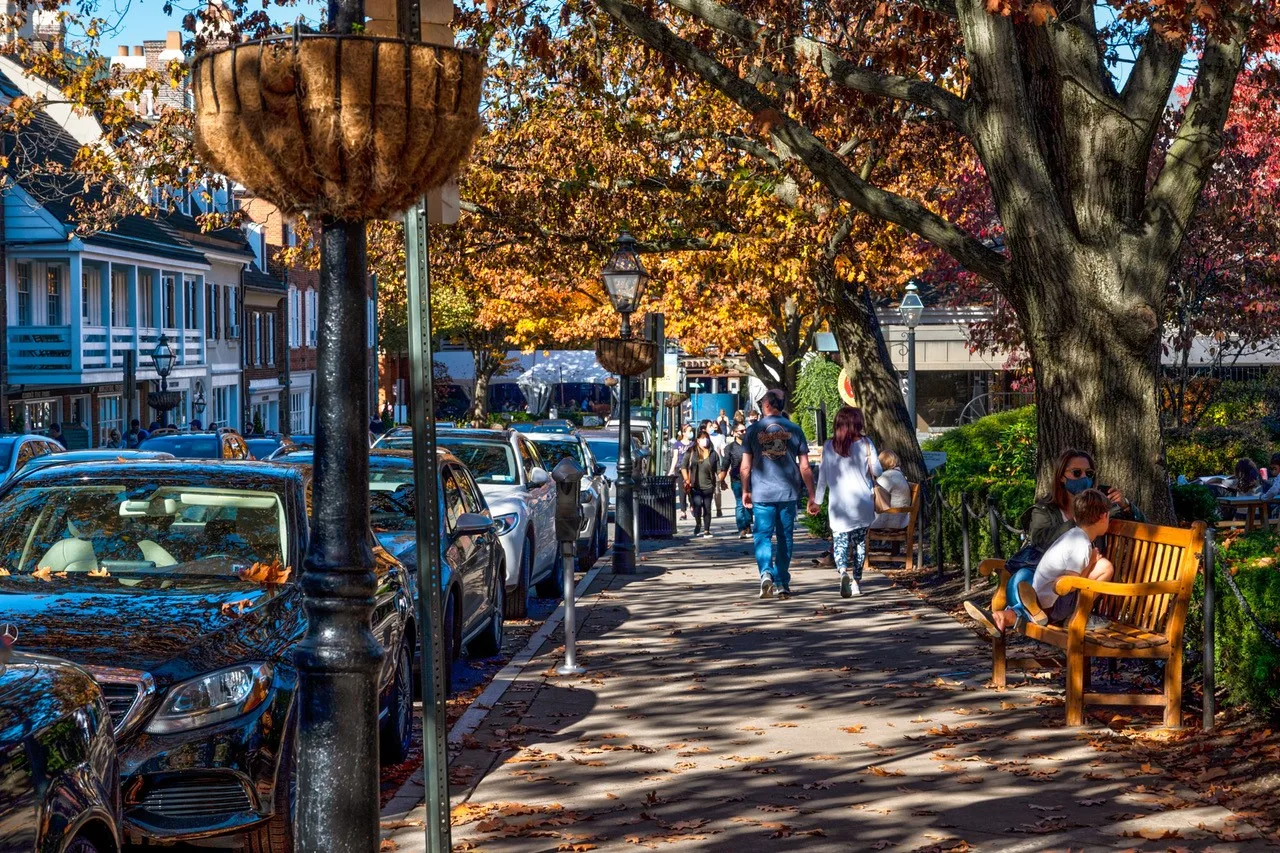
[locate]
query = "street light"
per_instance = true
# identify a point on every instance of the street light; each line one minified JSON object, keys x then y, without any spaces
{"x":625,"y":280}
{"x":198,"y":404}
{"x":911,"y":308}
{"x":162,"y":359}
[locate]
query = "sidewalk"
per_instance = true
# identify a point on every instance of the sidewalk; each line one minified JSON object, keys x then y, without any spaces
{"x":711,"y":721}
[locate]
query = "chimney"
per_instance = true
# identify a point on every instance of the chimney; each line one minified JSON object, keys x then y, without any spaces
{"x":173,"y":40}
{"x":122,"y":50}
{"x":137,"y":50}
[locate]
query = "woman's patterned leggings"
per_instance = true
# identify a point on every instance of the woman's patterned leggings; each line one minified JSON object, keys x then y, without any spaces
{"x":851,"y":542}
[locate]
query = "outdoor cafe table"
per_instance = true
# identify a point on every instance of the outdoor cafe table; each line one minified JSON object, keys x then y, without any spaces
{"x":1255,"y":511}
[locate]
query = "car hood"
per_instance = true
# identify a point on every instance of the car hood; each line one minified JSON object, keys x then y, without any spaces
{"x":504,"y":499}
{"x":169,"y":626}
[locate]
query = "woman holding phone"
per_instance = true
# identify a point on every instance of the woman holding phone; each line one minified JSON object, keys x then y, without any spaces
{"x":1051,"y":515}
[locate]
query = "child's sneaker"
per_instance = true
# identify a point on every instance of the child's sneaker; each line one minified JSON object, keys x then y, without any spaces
{"x":1027,"y":596}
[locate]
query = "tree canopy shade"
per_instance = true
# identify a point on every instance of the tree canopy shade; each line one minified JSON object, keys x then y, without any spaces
{"x":1093,"y":211}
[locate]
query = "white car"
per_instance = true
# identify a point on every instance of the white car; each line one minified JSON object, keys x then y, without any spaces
{"x":522,"y":499}
{"x":642,"y":431}
{"x":593,"y":538}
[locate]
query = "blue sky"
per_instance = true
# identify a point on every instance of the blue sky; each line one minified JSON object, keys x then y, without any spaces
{"x":132,"y":22}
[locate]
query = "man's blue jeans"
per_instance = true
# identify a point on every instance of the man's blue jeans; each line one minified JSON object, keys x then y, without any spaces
{"x":740,"y":514}
{"x":774,"y":559}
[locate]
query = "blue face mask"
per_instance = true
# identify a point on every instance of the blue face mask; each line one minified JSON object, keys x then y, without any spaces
{"x":1075,"y":487}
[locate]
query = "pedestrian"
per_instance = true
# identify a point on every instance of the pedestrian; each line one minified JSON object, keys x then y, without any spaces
{"x":155,"y":425}
{"x":55,"y":432}
{"x":136,"y":434}
{"x":775,"y":465}
{"x":375,"y":426}
{"x":114,"y":441}
{"x":848,"y":471}
{"x":753,"y":417}
{"x":731,"y":470}
{"x":722,"y":421}
{"x":701,"y":465}
{"x":197,"y":425}
{"x":681,"y":445}
{"x":718,"y":441}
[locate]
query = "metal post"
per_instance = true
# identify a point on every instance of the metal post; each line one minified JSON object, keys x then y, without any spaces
{"x":993,"y":528}
{"x":130,"y":387}
{"x":435,"y":754}
{"x":373,"y":385}
{"x":624,"y":555}
{"x":339,"y":657}
{"x":911,"y":376}
{"x":568,"y":550}
{"x":820,"y":425}
{"x":964,"y":538}
{"x":1210,"y":603}
{"x":938,"y":531}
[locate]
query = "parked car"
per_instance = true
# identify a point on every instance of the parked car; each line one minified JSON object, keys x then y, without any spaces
{"x":262,"y":446}
{"x":101,"y":454}
{"x":604,"y":446}
{"x":640,"y":430}
{"x":17,"y":450}
{"x":222,"y":443}
{"x":58,"y":766}
{"x":559,"y":425}
{"x":176,"y":581}
{"x":472,"y":564}
{"x":594,"y":495}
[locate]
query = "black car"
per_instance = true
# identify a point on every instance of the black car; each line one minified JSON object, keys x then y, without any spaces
{"x":59,"y":775}
{"x":176,"y":582}
{"x":218,"y":444}
{"x":473,"y":568}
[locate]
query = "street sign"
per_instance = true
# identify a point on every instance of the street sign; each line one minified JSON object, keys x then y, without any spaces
{"x":669,"y":381}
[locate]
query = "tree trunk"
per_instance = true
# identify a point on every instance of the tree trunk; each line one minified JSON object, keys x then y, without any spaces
{"x":480,"y":401}
{"x":1097,"y":373}
{"x":875,"y":382}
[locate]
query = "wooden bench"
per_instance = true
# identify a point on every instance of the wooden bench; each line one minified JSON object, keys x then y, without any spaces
{"x":1145,"y":605}
{"x":905,"y":535}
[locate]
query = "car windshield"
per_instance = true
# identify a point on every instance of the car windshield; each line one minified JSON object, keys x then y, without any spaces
{"x":490,"y":463}
{"x":399,"y":441}
{"x":7,"y":446}
{"x":139,"y":528}
{"x":392,"y":504}
{"x":604,"y":451}
{"x":553,"y":451}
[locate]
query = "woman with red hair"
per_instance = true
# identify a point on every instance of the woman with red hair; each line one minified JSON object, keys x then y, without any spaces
{"x":849,"y":469}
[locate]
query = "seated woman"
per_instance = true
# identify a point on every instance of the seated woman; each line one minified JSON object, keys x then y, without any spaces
{"x":1051,"y":515}
{"x":1248,"y":478}
{"x":892,"y":491}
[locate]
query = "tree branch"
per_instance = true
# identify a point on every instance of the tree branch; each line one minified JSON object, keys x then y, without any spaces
{"x":1152,"y":79}
{"x":821,"y":161}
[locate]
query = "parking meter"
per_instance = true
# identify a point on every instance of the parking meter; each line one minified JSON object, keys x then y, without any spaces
{"x":568,"y":478}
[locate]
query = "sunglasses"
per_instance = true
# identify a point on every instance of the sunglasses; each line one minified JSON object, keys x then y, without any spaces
{"x":1077,"y":473}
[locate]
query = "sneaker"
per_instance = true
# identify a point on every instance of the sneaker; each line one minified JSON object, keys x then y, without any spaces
{"x":707,"y":534}
{"x":846,"y":585}
{"x":784,"y":595}
{"x":744,"y":534}
{"x":1027,"y":595}
{"x":766,"y":587}
{"x":983,"y":617}
{"x":857,"y":588}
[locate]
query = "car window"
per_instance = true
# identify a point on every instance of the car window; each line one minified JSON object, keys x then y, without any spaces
{"x":553,"y":450}
{"x":27,"y":452}
{"x":528,"y":457}
{"x":489,"y":462}
{"x":453,"y":501}
{"x":470,"y":494}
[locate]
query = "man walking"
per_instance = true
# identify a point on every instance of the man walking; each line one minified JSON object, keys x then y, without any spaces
{"x":731,"y":470}
{"x":775,"y":463}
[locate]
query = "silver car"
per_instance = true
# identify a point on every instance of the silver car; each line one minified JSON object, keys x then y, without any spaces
{"x":594,"y":536}
{"x":521,"y":497}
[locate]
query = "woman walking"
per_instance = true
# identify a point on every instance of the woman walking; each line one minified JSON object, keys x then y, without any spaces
{"x":701,"y":471}
{"x":849,"y":469}
{"x":679,"y":447}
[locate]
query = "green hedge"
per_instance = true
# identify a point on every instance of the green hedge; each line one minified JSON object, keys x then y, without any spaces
{"x":816,"y":383}
{"x":1213,"y":449}
{"x":1247,"y":666}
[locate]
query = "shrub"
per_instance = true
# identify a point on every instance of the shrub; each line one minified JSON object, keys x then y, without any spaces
{"x":1194,"y":502}
{"x":816,"y":384}
{"x":818,"y":525}
{"x":1208,"y":450}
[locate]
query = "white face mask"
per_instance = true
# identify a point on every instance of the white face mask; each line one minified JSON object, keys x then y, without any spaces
{"x":703,"y":442}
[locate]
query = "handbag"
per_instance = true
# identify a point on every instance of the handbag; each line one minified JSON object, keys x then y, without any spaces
{"x":1026,"y":557}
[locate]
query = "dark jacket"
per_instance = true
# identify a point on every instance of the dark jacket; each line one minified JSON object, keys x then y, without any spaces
{"x":702,"y":472}
{"x":1044,"y":522}
{"x":731,"y":460}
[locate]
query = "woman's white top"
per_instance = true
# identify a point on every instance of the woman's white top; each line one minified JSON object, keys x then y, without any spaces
{"x":849,"y":479}
{"x":895,"y":483}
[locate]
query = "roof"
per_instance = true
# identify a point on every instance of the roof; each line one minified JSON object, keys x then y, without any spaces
{"x":227,"y":239}
{"x":256,"y":278}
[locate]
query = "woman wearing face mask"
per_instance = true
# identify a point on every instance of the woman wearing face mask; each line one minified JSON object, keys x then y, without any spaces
{"x":1050,"y":517}
{"x":680,"y":447}
{"x":701,"y":469}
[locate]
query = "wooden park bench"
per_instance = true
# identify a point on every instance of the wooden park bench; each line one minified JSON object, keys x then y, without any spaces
{"x":905,"y":535}
{"x":1145,"y":605}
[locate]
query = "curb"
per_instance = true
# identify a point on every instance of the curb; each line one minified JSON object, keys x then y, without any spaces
{"x":411,"y":793}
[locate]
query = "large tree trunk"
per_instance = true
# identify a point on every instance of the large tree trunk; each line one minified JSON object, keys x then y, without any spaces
{"x":875,"y":381}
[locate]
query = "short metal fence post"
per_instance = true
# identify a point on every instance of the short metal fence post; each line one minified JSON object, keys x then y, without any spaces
{"x":1210,"y":595}
{"x":964,"y":539}
{"x":940,"y":507}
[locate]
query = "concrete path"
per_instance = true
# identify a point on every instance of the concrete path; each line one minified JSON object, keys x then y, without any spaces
{"x":711,"y":721}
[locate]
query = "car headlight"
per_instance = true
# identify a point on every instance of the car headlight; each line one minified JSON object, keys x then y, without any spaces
{"x":213,"y":698}
{"x":506,"y":522}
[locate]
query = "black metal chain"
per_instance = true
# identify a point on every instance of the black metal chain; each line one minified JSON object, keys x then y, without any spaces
{"x":1267,"y":634}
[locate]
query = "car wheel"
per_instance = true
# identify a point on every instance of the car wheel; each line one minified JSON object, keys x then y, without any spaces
{"x":517,"y":603}
{"x":553,"y":584}
{"x":489,"y":642}
{"x":396,"y":731}
{"x":276,"y":834}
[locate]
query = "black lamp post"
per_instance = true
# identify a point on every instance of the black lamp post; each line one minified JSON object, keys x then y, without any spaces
{"x":625,"y":280}
{"x":162,"y":359}
{"x":911,"y":308}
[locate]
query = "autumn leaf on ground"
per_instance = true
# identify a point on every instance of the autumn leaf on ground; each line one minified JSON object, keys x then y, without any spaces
{"x":880,"y":771}
{"x":62,"y":574}
{"x":853,"y":730}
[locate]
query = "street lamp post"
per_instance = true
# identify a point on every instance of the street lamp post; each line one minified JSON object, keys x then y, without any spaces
{"x":911,"y":308}
{"x":625,"y":280}
{"x":162,"y":359}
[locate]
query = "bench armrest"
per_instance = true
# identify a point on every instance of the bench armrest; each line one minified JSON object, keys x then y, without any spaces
{"x":1074,"y":582}
{"x":987,"y":568}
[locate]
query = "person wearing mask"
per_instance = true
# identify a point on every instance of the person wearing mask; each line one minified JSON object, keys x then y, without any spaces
{"x":775,"y":466}
{"x":114,"y":441}
{"x":718,"y":441}
{"x":1272,"y":491}
{"x":196,"y":425}
{"x":753,"y":417}
{"x":55,"y":432}
{"x":1051,"y":515}
{"x":892,"y":491}
{"x":701,"y":465}
{"x":731,"y":471}
{"x":136,"y":434}
{"x":684,"y":440}
{"x":849,"y":468}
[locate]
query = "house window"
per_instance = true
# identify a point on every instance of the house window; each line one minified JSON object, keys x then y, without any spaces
{"x":312,"y":310}
{"x":295,"y":321}
{"x":221,"y":406}
{"x":230,"y":313}
{"x":256,"y":323}
{"x":91,"y":298}
{"x":53,"y":286}
{"x":24,"y":294}
{"x":192,"y":303}
{"x":109,"y":417}
{"x":298,"y":412}
{"x":146,"y":301}
{"x":168,"y":309}
{"x":269,"y":320}
{"x":119,"y":298}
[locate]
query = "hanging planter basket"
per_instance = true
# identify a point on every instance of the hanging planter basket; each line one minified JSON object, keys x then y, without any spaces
{"x":626,"y":356}
{"x":346,"y":126}
{"x":164,"y":401}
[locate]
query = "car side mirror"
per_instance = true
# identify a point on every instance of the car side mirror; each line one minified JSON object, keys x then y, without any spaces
{"x":473,"y":524}
{"x":598,"y":469}
{"x":539,"y":477}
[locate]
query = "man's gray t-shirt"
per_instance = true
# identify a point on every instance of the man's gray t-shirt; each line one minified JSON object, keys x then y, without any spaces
{"x":774,"y":443}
